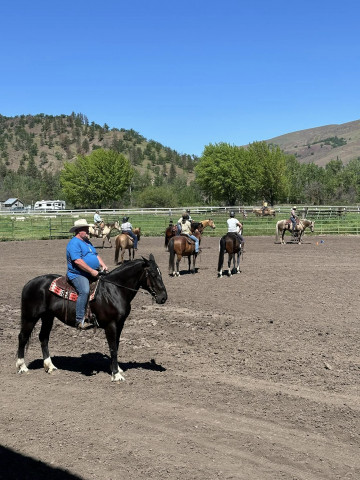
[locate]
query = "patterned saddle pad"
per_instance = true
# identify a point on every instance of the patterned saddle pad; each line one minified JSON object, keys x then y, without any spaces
{"x":62,"y":288}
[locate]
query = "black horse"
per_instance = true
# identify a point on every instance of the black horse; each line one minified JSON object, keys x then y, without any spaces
{"x":111,"y":306}
{"x":230,"y":244}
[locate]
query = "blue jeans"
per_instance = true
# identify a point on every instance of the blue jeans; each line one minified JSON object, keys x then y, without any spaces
{"x":133,"y":236}
{"x":293,"y":221}
{"x":83,"y":289}
{"x":196,"y":242}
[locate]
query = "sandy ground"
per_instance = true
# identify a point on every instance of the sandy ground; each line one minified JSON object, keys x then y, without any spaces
{"x":250,"y":377}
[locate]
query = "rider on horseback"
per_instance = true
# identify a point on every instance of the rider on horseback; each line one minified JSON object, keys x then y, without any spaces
{"x":98,"y":223}
{"x":83,"y":264}
{"x":186,"y":230}
{"x":293,"y":219}
{"x":179,"y":222}
{"x":234,"y":226}
{"x":127,"y":228}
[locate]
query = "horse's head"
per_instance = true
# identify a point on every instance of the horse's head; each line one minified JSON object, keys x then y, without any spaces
{"x":211,"y":224}
{"x":137,"y":232}
{"x":153,"y":280}
{"x":117,"y":225}
{"x":311,"y":226}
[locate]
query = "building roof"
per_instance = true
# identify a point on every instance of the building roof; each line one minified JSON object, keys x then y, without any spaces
{"x":11,"y":201}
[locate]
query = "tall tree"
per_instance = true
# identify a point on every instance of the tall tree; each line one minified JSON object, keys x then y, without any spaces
{"x":270,"y":163}
{"x":96,"y":180}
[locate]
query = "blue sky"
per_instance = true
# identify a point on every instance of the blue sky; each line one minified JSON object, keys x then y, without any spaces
{"x":186,"y":73}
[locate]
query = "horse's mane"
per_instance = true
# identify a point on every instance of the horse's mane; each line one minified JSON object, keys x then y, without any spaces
{"x":124,"y":267}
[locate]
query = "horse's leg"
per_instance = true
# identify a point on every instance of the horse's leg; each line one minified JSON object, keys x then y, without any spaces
{"x":229,"y":264}
{"x":238,"y":262}
{"x":27,"y":326}
{"x":113,"y":338}
{"x":178,"y":259}
{"x":47,"y":322}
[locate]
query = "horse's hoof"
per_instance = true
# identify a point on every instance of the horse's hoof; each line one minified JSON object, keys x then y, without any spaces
{"x":177,"y":274}
{"x":21,"y":366}
{"x":117,"y":378}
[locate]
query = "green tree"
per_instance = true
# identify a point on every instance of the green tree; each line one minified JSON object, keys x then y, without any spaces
{"x":161,"y":196}
{"x":96,"y":180}
{"x":269,"y":164}
{"x":219,"y":173}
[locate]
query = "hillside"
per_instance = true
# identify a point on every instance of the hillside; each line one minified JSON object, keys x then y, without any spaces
{"x":322,"y":144}
{"x":49,"y":141}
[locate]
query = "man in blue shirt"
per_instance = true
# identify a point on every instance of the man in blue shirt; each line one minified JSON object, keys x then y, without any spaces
{"x":83,"y":263}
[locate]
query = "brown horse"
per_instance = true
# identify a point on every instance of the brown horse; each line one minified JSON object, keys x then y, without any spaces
{"x":125,"y":242}
{"x":107,"y":228}
{"x":266,"y":212}
{"x":182,"y":246}
{"x":285,"y":225}
{"x":172,"y":229}
{"x":230,"y":244}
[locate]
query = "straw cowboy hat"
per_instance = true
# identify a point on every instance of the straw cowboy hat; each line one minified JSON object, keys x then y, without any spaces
{"x":81,"y":223}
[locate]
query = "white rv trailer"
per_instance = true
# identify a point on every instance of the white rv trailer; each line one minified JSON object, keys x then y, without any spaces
{"x":49,"y":205}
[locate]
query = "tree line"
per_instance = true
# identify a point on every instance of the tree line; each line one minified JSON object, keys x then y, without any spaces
{"x":100,"y":167}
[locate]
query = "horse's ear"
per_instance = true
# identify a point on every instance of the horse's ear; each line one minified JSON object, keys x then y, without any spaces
{"x":151,"y":257}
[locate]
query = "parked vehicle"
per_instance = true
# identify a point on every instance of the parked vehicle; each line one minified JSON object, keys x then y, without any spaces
{"x":50,"y":205}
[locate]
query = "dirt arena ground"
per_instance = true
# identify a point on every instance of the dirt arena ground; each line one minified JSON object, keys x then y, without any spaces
{"x":252,"y":377}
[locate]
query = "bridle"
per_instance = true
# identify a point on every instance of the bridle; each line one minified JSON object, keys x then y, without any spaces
{"x":151,"y":291}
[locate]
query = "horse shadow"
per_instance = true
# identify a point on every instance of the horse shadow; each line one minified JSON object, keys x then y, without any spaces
{"x":90,"y":364}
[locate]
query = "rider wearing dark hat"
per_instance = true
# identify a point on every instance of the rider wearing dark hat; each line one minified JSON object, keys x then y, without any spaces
{"x":234,"y":226}
{"x":127,"y":228}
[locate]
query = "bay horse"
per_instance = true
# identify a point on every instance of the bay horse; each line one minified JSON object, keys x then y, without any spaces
{"x":285,"y":225}
{"x":230,"y":244}
{"x":107,"y":228}
{"x":125,"y":242}
{"x":172,"y":229}
{"x":182,"y":246}
{"x":111,"y":307}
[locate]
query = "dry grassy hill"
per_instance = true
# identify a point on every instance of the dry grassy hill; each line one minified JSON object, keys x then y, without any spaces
{"x":322,"y":144}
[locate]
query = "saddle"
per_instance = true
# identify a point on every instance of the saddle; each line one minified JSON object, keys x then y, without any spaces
{"x":289,"y":222}
{"x":189,"y":240}
{"x":128,"y":235}
{"x":62,"y":288}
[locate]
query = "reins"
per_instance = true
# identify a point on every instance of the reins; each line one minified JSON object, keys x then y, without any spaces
{"x":104,"y":279}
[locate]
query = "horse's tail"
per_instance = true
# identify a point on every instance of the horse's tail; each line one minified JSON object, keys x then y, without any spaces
{"x":166,"y":240}
{"x":171,"y":256}
{"x":117,"y":248}
{"x":221,"y":253}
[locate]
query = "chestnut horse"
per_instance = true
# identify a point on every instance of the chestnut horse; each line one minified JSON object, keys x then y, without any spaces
{"x":182,"y":246}
{"x":107,"y":228}
{"x":285,"y":225}
{"x":172,"y":229}
{"x":230,"y":244}
{"x":125,"y":242}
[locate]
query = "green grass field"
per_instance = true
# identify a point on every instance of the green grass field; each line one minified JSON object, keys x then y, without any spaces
{"x":37,"y":227}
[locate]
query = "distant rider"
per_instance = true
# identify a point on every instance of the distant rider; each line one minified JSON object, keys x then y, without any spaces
{"x":179,"y":222}
{"x":127,"y":228}
{"x":186,"y":230}
{"x":98,"y":221}
{"x":234,"y":226}
{"x":293,"y":219}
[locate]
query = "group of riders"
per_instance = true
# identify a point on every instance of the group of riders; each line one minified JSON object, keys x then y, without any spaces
{"x":84,"y":263}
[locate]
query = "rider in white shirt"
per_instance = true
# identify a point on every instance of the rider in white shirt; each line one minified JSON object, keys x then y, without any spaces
{"x":234,"y":226}
{"x":126,"y":227}
{"x":98,"y":221}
